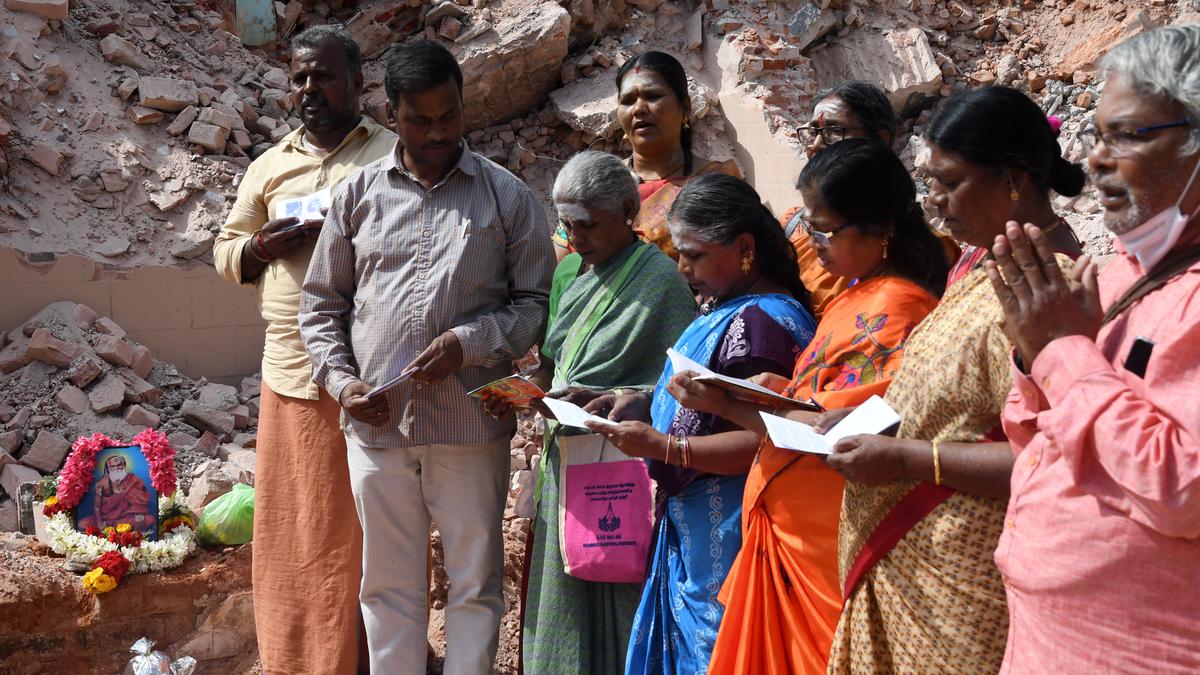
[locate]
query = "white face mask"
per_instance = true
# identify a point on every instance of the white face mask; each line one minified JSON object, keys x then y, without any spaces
{"x":1151,"y":241}
{"x":117,"y":475}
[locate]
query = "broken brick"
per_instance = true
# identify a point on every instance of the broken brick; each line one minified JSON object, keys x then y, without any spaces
{"x":167,"y":94}
{"x":138,"y":416}
{"x":115,"y":350}
{"x":47,"y":452}
{"x":72,"y":399}
{"x":108,"y":394}
{"x":44,"y":347}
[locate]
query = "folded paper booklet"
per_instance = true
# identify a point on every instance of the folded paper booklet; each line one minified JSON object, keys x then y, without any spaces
{"x":744,"y":390}
{"x":874,"y":416}
{"x":383,"y":388}
{"x":571,"y":414}
{"x":514,"y":390}
{"x":305,"y":208}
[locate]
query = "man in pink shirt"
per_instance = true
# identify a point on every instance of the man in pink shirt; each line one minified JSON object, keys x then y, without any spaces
{"x":1101,"y":547}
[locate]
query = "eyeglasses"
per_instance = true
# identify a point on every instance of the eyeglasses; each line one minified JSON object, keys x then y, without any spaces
{"x":818,"y":237}
{"x":830,"y":133}
{"x":1123,"y":143}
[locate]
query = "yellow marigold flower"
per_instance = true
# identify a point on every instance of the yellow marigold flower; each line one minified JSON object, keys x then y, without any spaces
{"x":51,"y":500}
{"x":108,"y":530}
{"x":97,"y":581}
{"x":124,"y":527}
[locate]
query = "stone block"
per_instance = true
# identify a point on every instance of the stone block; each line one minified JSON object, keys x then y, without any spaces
{"x":138,"y":416}
{"x":221,"y":397}
{"x":181,"y":441}
{"x":202,"y":417}
{"x":13,"y":475}
{"x":47,"y":9}
{"x":44,"y":347}
{"x":122,"y":52}
{"x":84,"y":370}
{"x":47,"y":453}
{"x":108,"y":394}
{"x":245,"y":440}
{"x":143,"y":360}
{"x":72,"y":399}
{"x":10,"y":441}
{"x":46,"y":156}
{"x":901,"y":61}
{"x":115,"y":350}
{"x":208,"y":136}
{"x":6,"y":458}
{"x":586,"y":105}
{"x":167,"y":94}
{"x":183,"y":120}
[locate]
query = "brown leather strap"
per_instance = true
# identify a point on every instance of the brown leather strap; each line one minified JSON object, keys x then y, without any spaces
{"x":1168,"y":268}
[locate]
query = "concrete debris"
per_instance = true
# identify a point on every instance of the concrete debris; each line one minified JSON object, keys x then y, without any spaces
{"x":122,"y":52}
{"x":900,"y":60}
{"x":586,"y":105}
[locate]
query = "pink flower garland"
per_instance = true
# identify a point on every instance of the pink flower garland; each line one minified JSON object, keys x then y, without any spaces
{"x":76,"y":474}
{"x":161,"y":457}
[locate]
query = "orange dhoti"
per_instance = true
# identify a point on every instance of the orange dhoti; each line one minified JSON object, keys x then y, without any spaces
{"x":307,"y":565}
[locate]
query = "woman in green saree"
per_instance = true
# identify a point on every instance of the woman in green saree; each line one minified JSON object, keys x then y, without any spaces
{"x":616,"y":305}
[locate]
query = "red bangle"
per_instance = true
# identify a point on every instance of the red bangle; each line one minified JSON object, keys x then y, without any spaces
{"x":263,"y":254}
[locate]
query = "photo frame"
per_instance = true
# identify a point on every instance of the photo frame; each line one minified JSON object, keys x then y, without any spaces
{"x":120,"y":491}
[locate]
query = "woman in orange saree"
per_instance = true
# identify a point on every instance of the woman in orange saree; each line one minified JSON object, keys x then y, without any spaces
{"x":654,"y":111}
{"x":782,"y":597}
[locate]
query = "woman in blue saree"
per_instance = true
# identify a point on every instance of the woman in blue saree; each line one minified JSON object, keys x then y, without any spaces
{"x":755,"y":319}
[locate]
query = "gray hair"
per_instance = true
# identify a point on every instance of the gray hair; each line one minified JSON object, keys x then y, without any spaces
{"x":596,"y":178}
{"x":315,"y":36}
{"x":1163,"y":62}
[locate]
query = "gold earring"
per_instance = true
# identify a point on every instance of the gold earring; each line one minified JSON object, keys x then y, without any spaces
{"x":746,"y":260}
{"x":1014,"y":195}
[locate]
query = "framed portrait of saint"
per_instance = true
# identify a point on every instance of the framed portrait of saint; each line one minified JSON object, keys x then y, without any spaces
{"x":121,"y":492}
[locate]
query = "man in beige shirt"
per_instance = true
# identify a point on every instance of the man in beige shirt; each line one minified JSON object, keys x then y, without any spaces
{"x":307,"y":540}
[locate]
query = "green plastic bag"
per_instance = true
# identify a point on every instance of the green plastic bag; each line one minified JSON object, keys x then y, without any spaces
{"x":229,"y":519}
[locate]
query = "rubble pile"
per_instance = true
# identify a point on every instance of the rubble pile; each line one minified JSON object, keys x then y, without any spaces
{"x":67,"y":372}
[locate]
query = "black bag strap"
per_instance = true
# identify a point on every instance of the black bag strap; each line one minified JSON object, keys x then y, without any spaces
{"x":1167,"y":269}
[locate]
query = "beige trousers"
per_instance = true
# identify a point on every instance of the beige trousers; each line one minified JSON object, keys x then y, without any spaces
{"x":397,"y":491}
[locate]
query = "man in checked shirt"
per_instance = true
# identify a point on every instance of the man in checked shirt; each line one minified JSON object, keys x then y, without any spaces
{"x":437,"y":259}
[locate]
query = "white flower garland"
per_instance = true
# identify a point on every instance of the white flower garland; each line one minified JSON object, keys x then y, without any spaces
{"x":150,"y":556}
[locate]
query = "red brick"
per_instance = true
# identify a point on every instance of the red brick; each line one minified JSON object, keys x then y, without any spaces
{"x":46,"y":348}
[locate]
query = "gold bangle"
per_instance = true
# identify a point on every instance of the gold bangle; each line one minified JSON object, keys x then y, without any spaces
{"x":937,"y":465}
